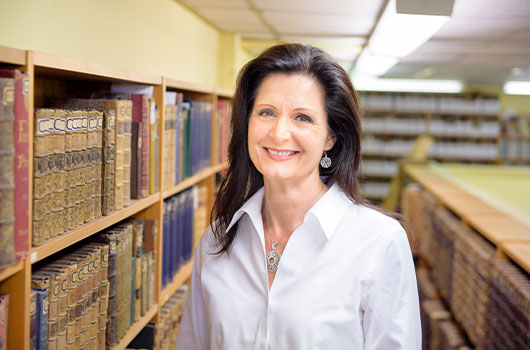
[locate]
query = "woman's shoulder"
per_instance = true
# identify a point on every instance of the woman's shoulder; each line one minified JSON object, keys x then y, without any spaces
{"x":373,"y":221}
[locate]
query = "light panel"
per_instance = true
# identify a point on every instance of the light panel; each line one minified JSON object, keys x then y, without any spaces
{"x":407,"y":85}
{"x":517,"y":88}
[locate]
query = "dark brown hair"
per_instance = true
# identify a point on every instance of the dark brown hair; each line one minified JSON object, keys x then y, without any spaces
{"x":242,"y":179}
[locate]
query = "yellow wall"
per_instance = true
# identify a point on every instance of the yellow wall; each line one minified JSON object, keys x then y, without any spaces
{"x":152,"y":36}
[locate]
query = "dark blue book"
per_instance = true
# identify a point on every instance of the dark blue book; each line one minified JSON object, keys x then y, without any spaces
{"x":190,"y":218}
{"x":165,"y":244}
{"x":182,"y":225}
{"x":173,"y":231}
{"x":133,"y":260}
{"x":42,"y":319}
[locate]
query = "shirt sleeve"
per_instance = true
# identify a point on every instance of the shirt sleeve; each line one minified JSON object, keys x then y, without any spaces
{"x":391,"y":317}
{"x":194,"y":330}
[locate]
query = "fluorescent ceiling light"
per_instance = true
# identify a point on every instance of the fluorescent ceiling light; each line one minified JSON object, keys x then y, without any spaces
{"x":369,"y":64}
{"x":407,"y":85}
{"x":517,"y":88}
{"x":399,"y":34}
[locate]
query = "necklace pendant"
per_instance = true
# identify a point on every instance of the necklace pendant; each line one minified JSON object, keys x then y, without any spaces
{"x":273,"y":259}
{"x":274,"y":245}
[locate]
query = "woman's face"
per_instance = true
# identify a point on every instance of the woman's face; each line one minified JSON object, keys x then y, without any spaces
{"x":288,"y":130}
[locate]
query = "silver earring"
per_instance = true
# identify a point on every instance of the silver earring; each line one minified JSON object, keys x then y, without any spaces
{"x":325,"y":161}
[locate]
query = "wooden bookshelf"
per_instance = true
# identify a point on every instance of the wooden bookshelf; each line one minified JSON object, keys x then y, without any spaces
{"x":10,"y":55}
{"x":58,"y":77}
{"x":136,"y":328}
{"x":9,"y":271}
{"x":86,"y":230}
{"x":195,"y":179}
{"x":182,"y":276}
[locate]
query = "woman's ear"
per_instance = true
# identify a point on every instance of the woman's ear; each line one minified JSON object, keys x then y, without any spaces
{"x":330,"y":142}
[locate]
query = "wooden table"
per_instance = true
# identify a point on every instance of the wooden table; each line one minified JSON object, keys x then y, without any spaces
{"x":493,"y":200}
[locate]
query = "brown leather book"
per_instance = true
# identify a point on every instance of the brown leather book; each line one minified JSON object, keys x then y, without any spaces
{"x":7,"y":184}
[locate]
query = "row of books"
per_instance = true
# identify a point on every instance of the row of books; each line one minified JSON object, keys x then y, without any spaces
{"x":91,"y":156}
{"x":187,"y":138}
{"x":4,"y":311}
{"x":383,"y":168}
{"x":435,"y":127}
{"x":163,"y":336}
{"x":177,"y":233}
{"x":89,"y":297}
{"x":14,"y":162}
{"x":375,"y":190}
{"x":430,"y":104}
{"x":223,"y":127}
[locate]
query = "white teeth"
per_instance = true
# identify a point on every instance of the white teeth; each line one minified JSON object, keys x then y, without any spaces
{"x":280,"y":153}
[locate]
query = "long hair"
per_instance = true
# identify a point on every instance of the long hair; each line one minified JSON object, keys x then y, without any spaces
{"x":242,"y":179}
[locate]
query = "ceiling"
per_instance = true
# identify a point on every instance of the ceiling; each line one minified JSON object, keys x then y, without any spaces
{"x":485,"y":42}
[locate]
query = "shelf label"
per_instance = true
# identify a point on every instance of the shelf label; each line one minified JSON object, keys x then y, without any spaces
{"x":33,"y":257}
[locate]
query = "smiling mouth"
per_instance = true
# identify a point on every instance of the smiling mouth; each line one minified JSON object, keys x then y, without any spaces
{"x":280,"y":153}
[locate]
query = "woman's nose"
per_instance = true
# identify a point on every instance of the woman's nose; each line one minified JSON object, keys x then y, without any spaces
{"x":281,"y":128}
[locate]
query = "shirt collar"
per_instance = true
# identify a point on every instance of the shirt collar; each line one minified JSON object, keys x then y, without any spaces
{"x":328,"y":210}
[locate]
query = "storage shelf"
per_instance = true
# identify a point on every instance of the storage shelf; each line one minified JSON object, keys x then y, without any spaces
{"x":463,"y":159}
{"x":12,"y":56}
{"x":47,"y":63}
{"x":136,"y":328}
{"x":203,"y":174}
{"x":179,"y":279}
{"x":391,"y":134}
{"x":9,"y":271}
{"x":224,"y":93}
{"x":58,"y":243}
{"x":479,"y":138}
{"x":182,"y":85}
{"x":518,"y":252}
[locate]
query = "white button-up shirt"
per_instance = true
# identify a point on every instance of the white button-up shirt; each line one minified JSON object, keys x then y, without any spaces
{"x":346,"y":280}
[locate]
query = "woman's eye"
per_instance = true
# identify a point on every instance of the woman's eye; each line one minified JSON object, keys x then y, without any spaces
{"x":304,"y":118}
{"x":266,"y":113}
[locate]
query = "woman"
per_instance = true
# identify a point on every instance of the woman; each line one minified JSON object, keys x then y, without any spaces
{"x":295,"y":258}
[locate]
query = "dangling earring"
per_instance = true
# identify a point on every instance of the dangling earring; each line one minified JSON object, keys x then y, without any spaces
{"x":325,"y":161}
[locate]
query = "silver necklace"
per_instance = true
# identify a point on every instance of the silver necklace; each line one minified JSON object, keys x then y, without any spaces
{"x":273,"y":257}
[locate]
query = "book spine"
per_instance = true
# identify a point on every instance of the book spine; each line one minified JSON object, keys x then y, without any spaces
{"x":165,"y":147}
{"x":98,"y":161}
{"x":7,"y":184}
{"x":69,"y":182}
{"x":92,"y":140}
{"x":4,"y":312}
{"x":119,"y":137}
{"x":108,"y":171}
{"x":58,"y":200}
{"x":84,"y":171}
{"x":153,"y":141}
{"x":42,"y":174}
{"x":134,"y":161}
{"x":145,"y":147}
{"x":127,"y":117}
{"x":21,"y":171}
{"x":33,"y":320}
{"x":42,"y":319}
{"x":137,"y":275}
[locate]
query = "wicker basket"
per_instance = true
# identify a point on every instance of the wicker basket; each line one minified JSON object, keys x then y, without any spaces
{"x":451,"y":336}
{"x":472,"y":259}
{"x":428,"y":244}
{"x":508,"y":315}
{"x":432,"y":312}
{"x":446,"y":227}
{"x":426,"y":288}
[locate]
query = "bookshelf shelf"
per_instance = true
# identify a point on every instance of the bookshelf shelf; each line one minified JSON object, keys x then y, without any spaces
{"x":46,"y":63}
{"x":182,"y":85}
{"x":9,"y":271}
{"x":224,"y":93}
{"x":53,"y":78}
{"x":518,"y":252}
{"x":12,"y":56}
{"x":136,"y":328}
{"x":179,"y":279}
{"x":202,"y":175}
{"x":88,"y":229}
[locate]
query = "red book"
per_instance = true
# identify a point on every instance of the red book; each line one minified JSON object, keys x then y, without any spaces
{"x":21,"y":166}
{"x":140,"y":114}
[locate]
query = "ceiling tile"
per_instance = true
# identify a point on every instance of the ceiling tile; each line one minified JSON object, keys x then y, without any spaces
{"x":358,"y":8}
{"x":292,"y":23}
{"x":233,"y":19}
{"x":215,"y":3}
{"x":491,"y":8}
{"x":480,"y":28}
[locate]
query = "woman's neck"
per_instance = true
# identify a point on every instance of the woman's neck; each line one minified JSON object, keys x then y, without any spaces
{"x":285,"y":205}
